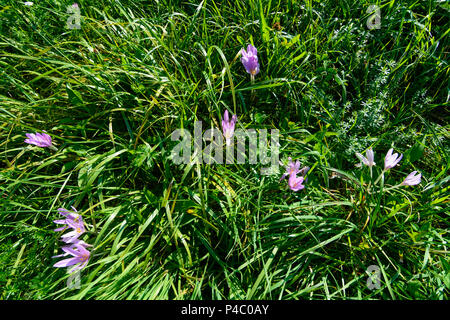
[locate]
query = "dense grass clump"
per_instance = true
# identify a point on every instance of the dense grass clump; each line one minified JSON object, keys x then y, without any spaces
{"x":111,"y":93}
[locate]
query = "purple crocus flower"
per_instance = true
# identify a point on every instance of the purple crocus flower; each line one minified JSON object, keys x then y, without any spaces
{"x":74,"y":221}
{"x":228,"y":126}
{"x":291,"y":168}
{"x":391,"y":160}
{"x":74,"y":242}
{"x":39,"y":139}
{"x":69,"y":216}
{"x":295,"y":183}
{"x":412,"y":179}
{"x":250,"y":60}
{"x":370,"y":157}
{"x":77,"y":230}
{"x":80,"y":257}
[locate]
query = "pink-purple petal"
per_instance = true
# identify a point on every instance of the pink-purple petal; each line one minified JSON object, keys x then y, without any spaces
{"x":66,"y":262}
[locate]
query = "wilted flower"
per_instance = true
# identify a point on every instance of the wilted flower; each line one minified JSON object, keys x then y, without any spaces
{"x":303,"y":171}
{"x":295,"y":183}
{"x":370,"y":157}
{"x":250,"y":60}
{"x":39,"y":139}
{"x":391,"y":160}
{"x":412,"y":179}
{"x":228,"y":126}
{"x":80,"y":256}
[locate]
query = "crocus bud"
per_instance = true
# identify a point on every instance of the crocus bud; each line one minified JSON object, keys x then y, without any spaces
{"x":391,"y":160}
{"x":228,"y":126}
{"x":39,"y":139}
{"x":369,"y":161}
{"x":250,"y":60}
{"x":412,"y":179}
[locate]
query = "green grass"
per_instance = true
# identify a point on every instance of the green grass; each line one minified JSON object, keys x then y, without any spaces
{"x":111,"y":93}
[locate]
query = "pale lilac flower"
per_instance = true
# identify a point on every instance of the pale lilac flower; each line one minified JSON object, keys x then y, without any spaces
{"x":74,"y":242}
{"x":80,"y":257}
{"x":250,"y":60}
{"x":228,"y":126}
{"x":77,"y":230}
{"x":412,"y":179}
{"x":74,"y":221}
{"x":391,"y":160}
{"x":369,"y":161}
{"x":61,"y":221}
{"x":28,"y":3}
{"x":295,"y":183}
{"x":39,"y":139}
{"x":292,"y":168}
{"x":69,"y":216}
{"x":80,"y":242}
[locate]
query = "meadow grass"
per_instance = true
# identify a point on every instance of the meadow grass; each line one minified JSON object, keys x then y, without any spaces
{"x":111,"y":93}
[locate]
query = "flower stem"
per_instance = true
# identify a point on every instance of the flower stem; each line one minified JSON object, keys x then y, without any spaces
{"x":252,"y":81}
{"x":394,"y":187}
{"x":379,"y":177}
{"x":370,"y":182}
